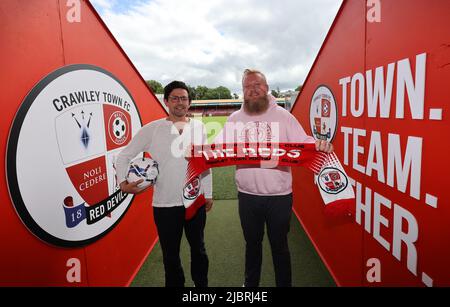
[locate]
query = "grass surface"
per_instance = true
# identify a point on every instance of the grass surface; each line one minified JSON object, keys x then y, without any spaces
{"x":223,"y":177}
{"x":225,"y":247}
{"x":224,"y":186}
{"x":214,"y":125}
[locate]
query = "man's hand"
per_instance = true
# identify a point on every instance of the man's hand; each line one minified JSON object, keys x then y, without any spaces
{"x":322,"y":145}
{"x":132,"y":187}
{"x":208,"y":204}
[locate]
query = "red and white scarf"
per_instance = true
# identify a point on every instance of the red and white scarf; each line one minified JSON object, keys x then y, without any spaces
{"x":334,"y":186}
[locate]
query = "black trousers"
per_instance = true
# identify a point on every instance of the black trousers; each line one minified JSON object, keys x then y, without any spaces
{"x":170,"y":223}
{"x":274,"y":211}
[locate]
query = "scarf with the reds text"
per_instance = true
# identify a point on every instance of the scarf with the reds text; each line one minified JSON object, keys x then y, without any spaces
{"x":334,"y":186}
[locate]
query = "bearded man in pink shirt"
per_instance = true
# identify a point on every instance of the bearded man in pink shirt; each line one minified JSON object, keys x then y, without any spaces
{"x":265,"y":193}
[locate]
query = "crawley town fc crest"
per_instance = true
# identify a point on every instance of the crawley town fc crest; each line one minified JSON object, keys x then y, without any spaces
{"x":256,"y":131}
{"x":61,"y":153}
{"x":332,"y":180}
{"x":192,"y":189}
{"x":323,"y":114}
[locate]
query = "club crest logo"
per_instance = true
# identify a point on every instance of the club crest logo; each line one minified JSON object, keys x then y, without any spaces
{"x":255,"y":132}
{"x":118,"y":127}
{"x":332,"y":181}
{"x":192,"y":189}
{"x":323,"y":114}
{"x":61,"y":153}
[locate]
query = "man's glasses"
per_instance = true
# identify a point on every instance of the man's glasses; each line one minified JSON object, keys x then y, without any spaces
{"x":178,"y":98}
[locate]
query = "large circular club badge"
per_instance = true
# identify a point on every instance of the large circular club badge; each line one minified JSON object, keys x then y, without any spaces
{"x":61,"y":152}
{"x":323,"y":114}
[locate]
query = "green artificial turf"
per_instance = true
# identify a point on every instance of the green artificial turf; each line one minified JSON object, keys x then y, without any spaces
{"x":225,"y":246}
{"x":214,"y":125}
{"x":224,"y":186}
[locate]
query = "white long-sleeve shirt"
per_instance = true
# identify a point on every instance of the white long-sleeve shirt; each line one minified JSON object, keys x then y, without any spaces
{"x":166,"y":146}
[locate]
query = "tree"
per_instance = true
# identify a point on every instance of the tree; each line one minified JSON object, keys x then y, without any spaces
{"x":211,"y":93}
{"x":276,"y":93}
{"x":200,"y":92}
{"x":298,"y":88}
{"x":193,"y":92}
{"x":222,"y":93}
{"x":203,"y":92}
{"x":155,"y":86}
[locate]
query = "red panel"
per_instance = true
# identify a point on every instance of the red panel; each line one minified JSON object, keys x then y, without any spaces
{"x":407,"y":31}
{"x":30,"y":41}
{"x":339,"y":242}
{"x":113,"y":259}
{"x":32,"y":45}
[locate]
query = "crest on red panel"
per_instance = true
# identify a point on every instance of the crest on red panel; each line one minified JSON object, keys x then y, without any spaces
{"x":323,"y":114}
{"x":61,"y":154}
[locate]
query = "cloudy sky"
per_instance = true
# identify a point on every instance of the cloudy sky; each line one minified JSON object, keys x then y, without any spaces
{"x":211,"y":42}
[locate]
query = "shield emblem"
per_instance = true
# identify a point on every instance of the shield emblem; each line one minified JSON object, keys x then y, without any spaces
{"x":332,"y":180}
{"x":318,"y":124}
{"x":192,"y":189}
{"x":85,"y":138}
{"x":323,"y":108}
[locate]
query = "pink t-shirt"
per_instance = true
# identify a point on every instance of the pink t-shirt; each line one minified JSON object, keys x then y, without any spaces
{"x":275,"y":125}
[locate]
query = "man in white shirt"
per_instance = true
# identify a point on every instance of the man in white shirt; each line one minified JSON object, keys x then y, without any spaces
{"x":166,"y":140}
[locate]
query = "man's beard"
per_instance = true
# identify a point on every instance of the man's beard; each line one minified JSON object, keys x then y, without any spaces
{"x":257,"y":106}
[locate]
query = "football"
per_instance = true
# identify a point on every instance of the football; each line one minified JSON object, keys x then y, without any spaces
{"x":119,"y":128}
{"x":143,"y":168}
